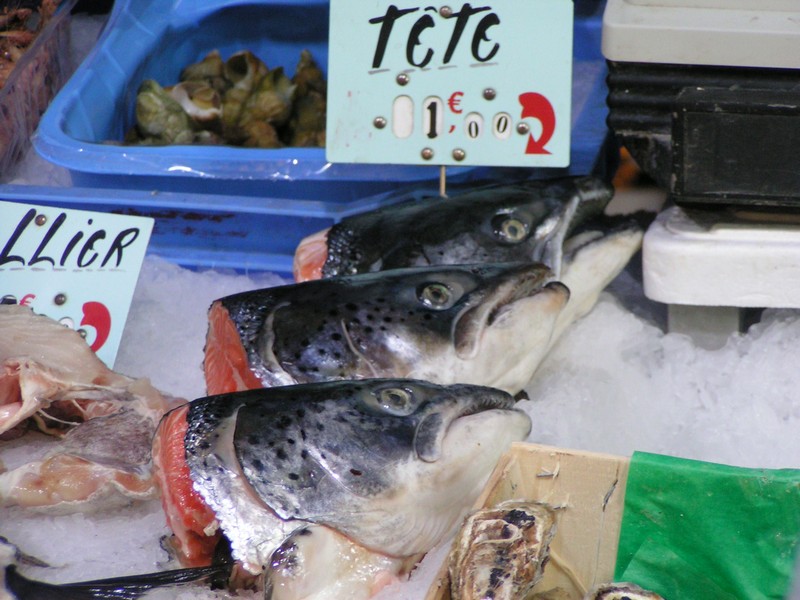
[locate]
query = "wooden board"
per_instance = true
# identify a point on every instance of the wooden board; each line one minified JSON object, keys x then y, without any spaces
{"x":588,"y":489}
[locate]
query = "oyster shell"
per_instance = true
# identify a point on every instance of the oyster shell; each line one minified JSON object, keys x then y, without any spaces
{"x":500,"y":552}
{"x":620,"y":591}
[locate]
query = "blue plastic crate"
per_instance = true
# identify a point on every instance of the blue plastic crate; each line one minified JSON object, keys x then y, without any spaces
{"x":157,"y":38}
{"x":247,"y":208}
{"x":202,"y":230}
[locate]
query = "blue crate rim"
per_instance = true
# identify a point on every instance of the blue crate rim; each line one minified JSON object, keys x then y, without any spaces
{"x":111,"y":160}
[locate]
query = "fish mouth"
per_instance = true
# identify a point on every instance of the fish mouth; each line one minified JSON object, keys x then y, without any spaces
{"x":602,"y":229}
{"x":493,"y":402}
{"x":435,"y":426}
{"x":489,"y":306}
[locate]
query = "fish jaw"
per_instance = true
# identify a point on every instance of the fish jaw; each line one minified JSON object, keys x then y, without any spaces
{"x":584,"y":197}
{"x":516,"y":283}
{"x":594,"y":194}
{"x":444,"y":491}
{"x":501,"y":341}
{"x":520,"y":338}
{"x":591,"y":268}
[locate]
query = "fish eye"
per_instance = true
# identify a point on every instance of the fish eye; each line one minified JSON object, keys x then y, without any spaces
{"x":436,"y":296}
{"x":397,"y":401}
{"x":509,"y":228}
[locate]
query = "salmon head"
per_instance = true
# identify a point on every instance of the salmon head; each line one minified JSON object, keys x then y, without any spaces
{"x":481,"y":324}
{"x":525,"y":221}
{"x":393,"y":464}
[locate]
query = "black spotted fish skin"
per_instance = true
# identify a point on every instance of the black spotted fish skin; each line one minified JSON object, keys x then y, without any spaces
{"x":290,"y":440}
{"x":330,"y":453}
{"x":525,"y":221}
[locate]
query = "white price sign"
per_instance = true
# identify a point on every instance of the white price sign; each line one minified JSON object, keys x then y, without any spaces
{"x":488,"y":83}
{"x":77,"y":267}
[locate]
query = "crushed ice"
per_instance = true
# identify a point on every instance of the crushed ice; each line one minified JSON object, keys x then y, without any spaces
{"x":614,"y":383}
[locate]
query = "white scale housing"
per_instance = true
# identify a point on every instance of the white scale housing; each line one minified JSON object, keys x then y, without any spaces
{"x":708,"y":268}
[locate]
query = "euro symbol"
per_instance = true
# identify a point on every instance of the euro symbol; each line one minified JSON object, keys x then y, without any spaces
{"x":454,"y":101}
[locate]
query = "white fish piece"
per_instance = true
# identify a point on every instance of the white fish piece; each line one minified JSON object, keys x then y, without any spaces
{"x":317,"y":563}
{"x":44,"y":363}
{"x":50,"y":377}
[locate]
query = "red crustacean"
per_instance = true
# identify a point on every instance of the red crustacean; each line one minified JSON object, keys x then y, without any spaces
{"x":19,"y":26}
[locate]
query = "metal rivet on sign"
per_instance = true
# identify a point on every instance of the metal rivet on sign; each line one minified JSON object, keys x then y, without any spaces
{"x":446,"y":12}
{"x":60,"y":299}
{"x":523,"y":128}
{"x":427,"y":153}
{"x":82,"y":333}
{"x":379,"y":122}
{"x":402,"y":79}
{"x":40,"y":220}
{"x":459,"y":154}
{"x":489,"y":94}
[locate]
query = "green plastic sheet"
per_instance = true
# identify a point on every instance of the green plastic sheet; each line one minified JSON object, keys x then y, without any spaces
{"x":694,"y":530}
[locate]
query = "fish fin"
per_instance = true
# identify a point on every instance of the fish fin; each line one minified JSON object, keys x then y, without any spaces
{"x":11,"y":554}
{"x":116,"y":588}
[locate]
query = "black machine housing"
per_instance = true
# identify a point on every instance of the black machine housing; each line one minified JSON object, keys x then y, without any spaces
{"x":711,"y":135}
